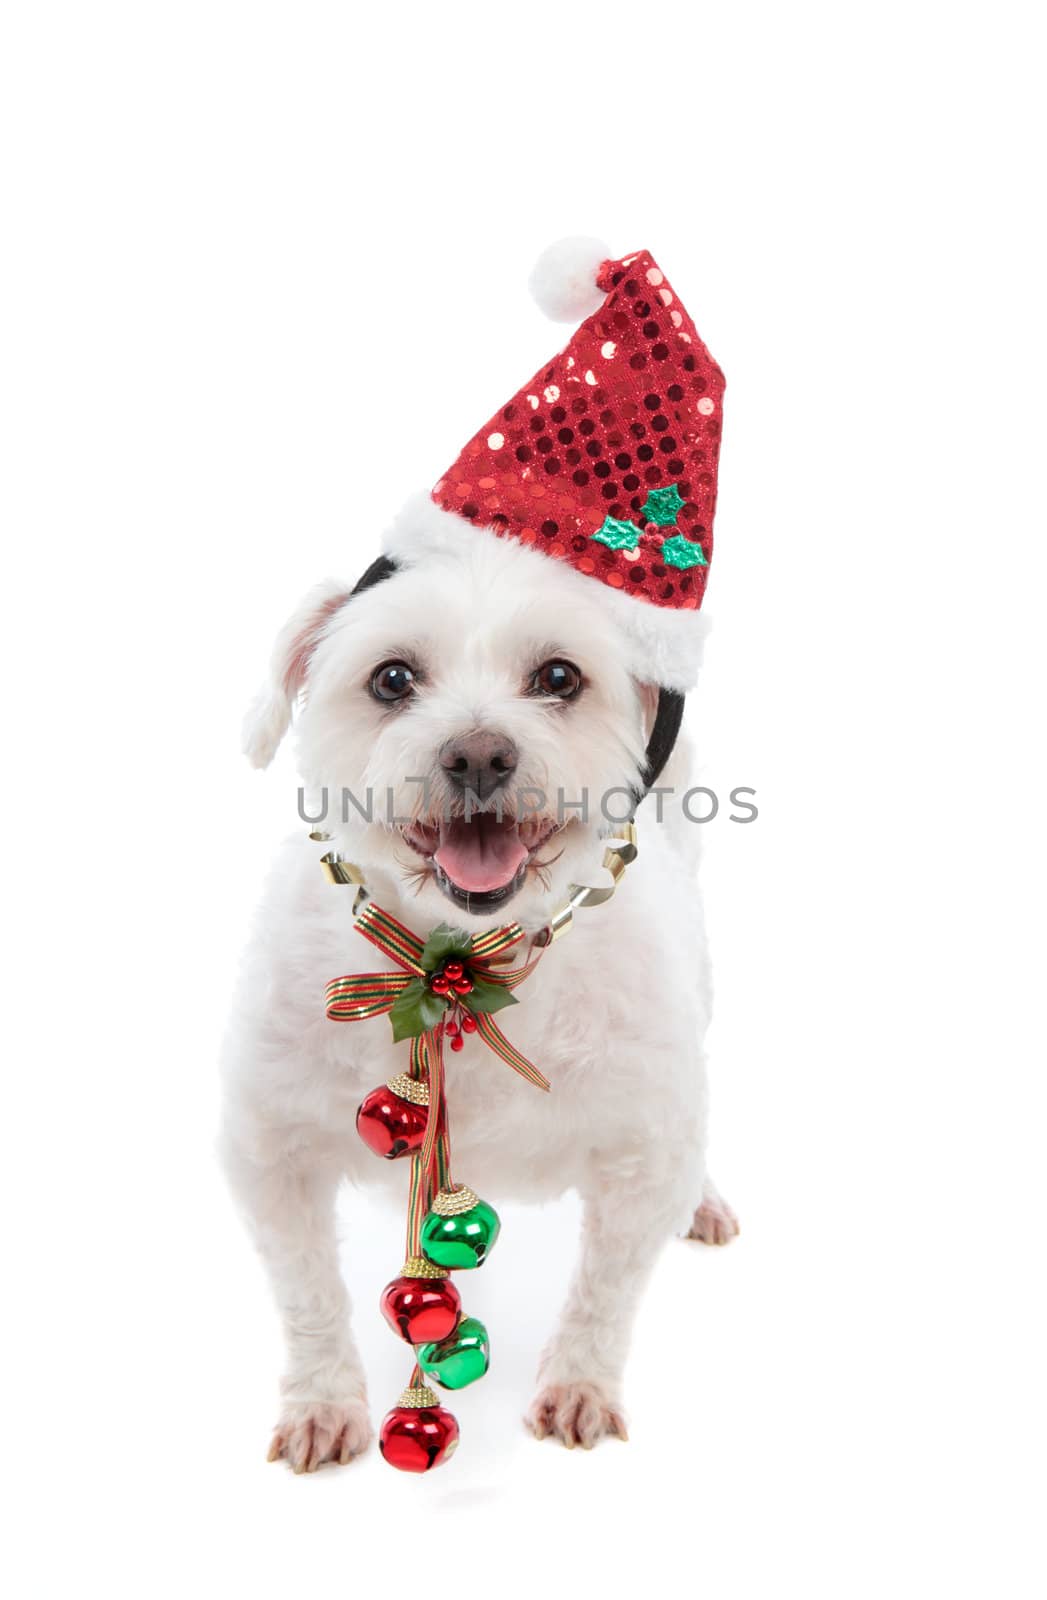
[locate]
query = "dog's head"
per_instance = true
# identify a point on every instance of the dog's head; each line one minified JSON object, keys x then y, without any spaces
{"x":476,"y":716}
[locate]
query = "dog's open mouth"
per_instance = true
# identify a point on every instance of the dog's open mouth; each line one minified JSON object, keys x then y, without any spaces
{"x":480,"y":861}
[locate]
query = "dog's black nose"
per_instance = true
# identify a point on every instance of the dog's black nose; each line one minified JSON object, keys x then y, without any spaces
{"x":479,"y":762}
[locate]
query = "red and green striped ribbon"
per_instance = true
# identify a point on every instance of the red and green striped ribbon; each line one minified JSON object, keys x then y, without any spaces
{"x":433,"y":1061}
{"x":419,"y":1200}
{"x":443,"y":1160}
{"x":486,"y":945}
{"x":431,"y":1165}
{"x":367,"y":994}
{"x":391,"y":937}
{"x":510,"y":979}
{"x":492,"y":1035}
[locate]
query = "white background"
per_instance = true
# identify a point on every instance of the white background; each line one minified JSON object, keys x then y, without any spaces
{"x":264,"y":273}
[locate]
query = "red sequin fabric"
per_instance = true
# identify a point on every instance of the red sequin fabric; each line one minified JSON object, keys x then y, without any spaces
{"x":607,"y":458}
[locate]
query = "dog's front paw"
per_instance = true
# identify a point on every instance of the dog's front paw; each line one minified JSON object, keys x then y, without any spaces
{"x":311,"y":1433}
{"x":714,"y":1221}
{"x":575,"y":1413}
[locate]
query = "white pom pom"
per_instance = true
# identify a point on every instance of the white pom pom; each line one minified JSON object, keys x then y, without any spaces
{"x":564,"y":279}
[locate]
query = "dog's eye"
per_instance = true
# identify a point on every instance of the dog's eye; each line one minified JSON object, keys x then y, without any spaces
{"x":393,"y":681}
{"x":561,"y":679}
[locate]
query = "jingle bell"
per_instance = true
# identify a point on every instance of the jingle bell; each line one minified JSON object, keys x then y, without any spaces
{"x":421,"y":1310}
{"x":390,"y":1123}
{"x":460,"y":1359}
{"x":460,"y":1230}
{"x":418,"y":1434}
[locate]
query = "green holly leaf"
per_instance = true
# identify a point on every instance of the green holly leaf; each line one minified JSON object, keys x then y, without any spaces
{"x":486,"y":996}
{"x":444,"y":942}
{"x":663,"y":506}
{"x":415,"y":1010}
{"x":680,"y":552}
{"x":617,"y":535}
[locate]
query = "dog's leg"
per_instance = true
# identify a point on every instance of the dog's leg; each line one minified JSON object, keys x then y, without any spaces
{"x":289,"y":1205}
{"x":714,"y":1221}
{"x":628,"y":1218}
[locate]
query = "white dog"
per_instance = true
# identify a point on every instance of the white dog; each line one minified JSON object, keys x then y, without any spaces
{"x":478,"y":665}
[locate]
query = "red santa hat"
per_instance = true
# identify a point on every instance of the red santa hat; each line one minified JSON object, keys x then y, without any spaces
{"x":606,"y":460}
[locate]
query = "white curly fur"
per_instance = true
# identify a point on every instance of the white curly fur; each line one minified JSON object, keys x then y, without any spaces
{"x":625,"y":1121}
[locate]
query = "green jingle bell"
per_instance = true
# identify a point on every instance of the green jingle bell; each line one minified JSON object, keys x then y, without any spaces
{"x":460,"y":1230}
{"x":460,"y":1359}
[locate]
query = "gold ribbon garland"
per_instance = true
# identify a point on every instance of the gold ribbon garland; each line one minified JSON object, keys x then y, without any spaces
{"x":616,"y":857}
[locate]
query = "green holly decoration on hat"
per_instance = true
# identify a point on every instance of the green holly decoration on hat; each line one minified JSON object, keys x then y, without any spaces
{"x":681,"y":552}
{"x":663,"y":506}
{"x":617,"y":535}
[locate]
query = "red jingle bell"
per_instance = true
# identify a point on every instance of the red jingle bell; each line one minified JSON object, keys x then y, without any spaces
{"x":391,"y":1125}
{"x":421,"y":1309}
{"x":418,"y":1433}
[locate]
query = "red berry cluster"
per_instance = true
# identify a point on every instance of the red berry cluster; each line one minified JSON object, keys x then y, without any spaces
{"x":454,"y":1030}
{"x":452,"y":981}
{"x":451,"y":978}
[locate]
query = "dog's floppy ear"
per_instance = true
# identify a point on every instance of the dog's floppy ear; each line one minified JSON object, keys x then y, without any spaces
{"x":649,"y":701}
{"x":269,"y":715}
{"x":662,"y":717}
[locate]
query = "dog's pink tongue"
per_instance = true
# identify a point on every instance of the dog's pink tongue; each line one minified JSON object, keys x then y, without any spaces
{"x":480,"y":854}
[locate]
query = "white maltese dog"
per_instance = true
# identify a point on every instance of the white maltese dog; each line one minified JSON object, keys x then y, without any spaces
{"x":491,"y":710}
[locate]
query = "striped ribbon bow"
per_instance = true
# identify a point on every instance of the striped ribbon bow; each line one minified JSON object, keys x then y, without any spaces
{"x":426,"y":1017}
